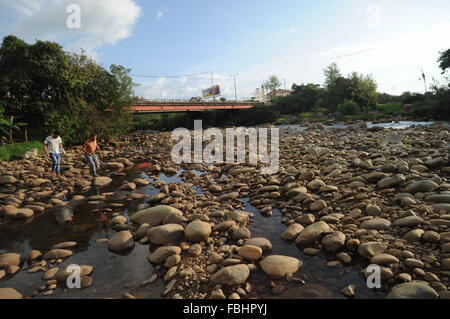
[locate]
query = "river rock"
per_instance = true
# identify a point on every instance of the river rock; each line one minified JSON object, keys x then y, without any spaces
{"x":371,"y":249}
{"x":121,"y":241}
{"x":391,"y":181}
{"x":334,"y":241}
{"x":409,"y":221}
{"x":384,"y":259}
{"x":376,"y":224}
{"x":279,"y":266}
{"x":102,"y":181}
{"x":412,"y":291}
{"x":249,"y":252}
{"x":165,"y":234}
{"x":260,"y":242}
{"x":162,"y":253}
{"x":9,"y":260}
{"x":231,"y":275}
{"x":9,"y":293}
{"x":155,"y":216}
{"x":422,"y":187}
{"x":7,"y":179}
{"x":312,"y":233}
{"x":197,"y":231}
{"x":292,"y":232}
{"x":57,"y":254}
{"x":33,"y":255}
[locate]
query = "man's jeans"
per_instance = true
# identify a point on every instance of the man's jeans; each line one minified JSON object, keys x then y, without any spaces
{"x":93,"y":162}
{"x":56,"y":163}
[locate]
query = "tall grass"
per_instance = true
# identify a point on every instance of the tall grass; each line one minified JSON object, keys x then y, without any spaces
{"x":11,"y":152}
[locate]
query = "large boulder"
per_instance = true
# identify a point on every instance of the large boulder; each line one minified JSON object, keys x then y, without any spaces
{"x":155,"y":216}
{"x":279,"y":266}
{"x":231,"y":275}
{"x":121,"y":241}
{"x":165,"y":234}
{"x":249,"y":252}
{"x":312,"y":233}
{"x":412,"y":291}
{"x":292,"y":232}
{"x":197,"y":231}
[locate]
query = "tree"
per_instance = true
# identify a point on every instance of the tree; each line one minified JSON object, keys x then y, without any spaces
{"x":272,"y":85}
{"x":444,"y":60}
{"x":332,"y":74}
{"x":348,"y":108}
{"x":307,"y":95}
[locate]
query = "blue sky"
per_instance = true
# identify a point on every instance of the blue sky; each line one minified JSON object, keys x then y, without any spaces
{"x":293,"y":39}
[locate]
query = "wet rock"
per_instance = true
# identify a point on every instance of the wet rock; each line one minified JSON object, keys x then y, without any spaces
{"x":141,"y":182}
{"x":279,"y":266}
{"x":119,"y":220}
{"x":349,"y":291}
{"x":162,"y":253}
{"x":292,"y":232}
{"x":197,"y":231}
{"x":412,"y":291}
{"x":312,"y":233}
{"x":33,"y":255}
{"x":64,"y":245}
{"x":121,"y":241}
{"x":57,"y":254}
{"x":414,"y":235}
{"x":154,"y":216}
{"x":165,"y":234}
{"x":231,"y":275}
{"x":241,"y":233}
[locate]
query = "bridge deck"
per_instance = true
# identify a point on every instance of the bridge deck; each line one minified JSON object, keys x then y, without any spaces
{"x":158,"y":106}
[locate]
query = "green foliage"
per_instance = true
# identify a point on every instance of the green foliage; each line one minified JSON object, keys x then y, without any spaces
{"x":15,"y":151}
{"x":391,"y":108}
{"x":444,"y":60}
{"x":272,"y":84}
{"x":54,"y":89}
{"x":348,"y":108}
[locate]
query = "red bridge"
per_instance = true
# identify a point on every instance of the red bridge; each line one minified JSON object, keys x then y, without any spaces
{"x":162,"y":106}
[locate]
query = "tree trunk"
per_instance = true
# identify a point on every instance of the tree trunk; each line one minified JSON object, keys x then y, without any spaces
{"x":11,"y":141}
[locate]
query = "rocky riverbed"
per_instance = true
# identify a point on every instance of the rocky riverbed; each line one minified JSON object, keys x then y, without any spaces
{"x":343,"y":199}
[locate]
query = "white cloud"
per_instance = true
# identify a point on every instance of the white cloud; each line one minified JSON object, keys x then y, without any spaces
{"x":161,"y":13}
{"x":103,"y":22}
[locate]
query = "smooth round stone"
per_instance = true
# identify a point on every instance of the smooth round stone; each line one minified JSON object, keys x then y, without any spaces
{"x":231,"y":275}
{"x":412,"y":291}
{"x":279,"y":266}
{"x":312,"y":233}
{"x":197,"y":231}
{"x":249,"y":252}
{"x":410,"y":221}
{"x":384,"y":259}
{"x":9,"y":259}
{"x":165,"y":234}
{"x":241,"y":233}
{"x":9,"y":293}
{"x":431,"y":236}
{"x":334,"y":241}
{"x":376,"y":224}
{"x":422,"y":187}
{"x":371,"y":249}
{"x":64,"y":245}
{"x":162,"y":253}
{"x":57,"y":254}
{"x":260,"y":242}
{"x":292,"y":232}
{"x":121,"y":241}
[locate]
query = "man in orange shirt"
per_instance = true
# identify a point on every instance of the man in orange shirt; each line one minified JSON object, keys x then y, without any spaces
{"x":90,"y":148}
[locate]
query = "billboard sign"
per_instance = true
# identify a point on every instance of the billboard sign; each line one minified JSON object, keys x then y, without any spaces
{"x":212,"y":91}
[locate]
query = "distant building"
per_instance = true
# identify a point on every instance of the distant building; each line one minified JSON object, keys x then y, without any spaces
{"x":262,"y":97}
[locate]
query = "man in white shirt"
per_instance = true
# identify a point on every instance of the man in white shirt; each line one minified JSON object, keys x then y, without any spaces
{"x":53,"y":145}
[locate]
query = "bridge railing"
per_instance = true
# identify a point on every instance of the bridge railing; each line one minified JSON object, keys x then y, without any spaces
{"x":177,"y":101}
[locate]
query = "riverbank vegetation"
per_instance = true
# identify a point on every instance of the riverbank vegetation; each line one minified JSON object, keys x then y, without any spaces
{"x":47,"y":89}
{"x":16,"y":151}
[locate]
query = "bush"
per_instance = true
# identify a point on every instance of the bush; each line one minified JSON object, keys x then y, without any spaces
{"x":390,"y":108}
{"x":348,"y":108}
{"x":16,"y":151}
